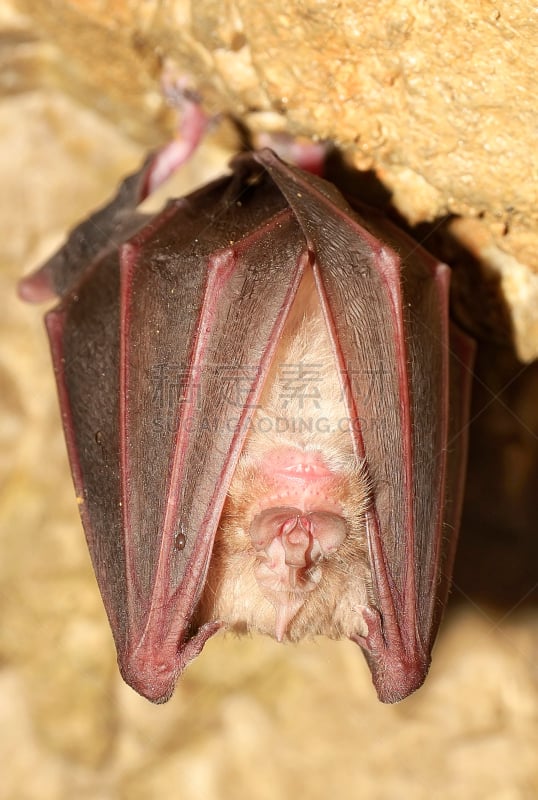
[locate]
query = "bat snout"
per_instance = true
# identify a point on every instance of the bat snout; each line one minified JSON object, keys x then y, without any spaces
{"x":290,"y":546}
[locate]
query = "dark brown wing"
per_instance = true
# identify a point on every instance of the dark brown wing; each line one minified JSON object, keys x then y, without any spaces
{"x":160,"y":355}
{"x":386,"y":305}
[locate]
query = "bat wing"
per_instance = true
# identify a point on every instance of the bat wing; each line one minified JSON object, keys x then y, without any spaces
{"x":160,"y":354}
{"x":405,"y":373}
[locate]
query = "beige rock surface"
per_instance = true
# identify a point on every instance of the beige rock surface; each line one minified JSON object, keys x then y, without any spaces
{"x":439,"y":99}
{"x":250,"y":718}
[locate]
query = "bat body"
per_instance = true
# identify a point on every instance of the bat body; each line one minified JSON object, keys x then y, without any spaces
{"x":265,"y":404}
{"x":290,"y":557}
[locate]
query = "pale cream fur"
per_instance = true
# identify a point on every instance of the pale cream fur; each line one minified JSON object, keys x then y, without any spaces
{"x":232,"y":593}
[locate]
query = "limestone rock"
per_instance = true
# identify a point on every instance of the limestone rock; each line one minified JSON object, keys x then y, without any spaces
{"x":437,"y":99}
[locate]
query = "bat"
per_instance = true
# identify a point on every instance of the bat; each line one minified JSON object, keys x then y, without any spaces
{"x":265,"y":406}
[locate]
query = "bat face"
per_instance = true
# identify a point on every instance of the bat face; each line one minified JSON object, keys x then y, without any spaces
{"x":265,"y":410}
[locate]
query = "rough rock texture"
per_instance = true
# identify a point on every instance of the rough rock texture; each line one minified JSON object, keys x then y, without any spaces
{"x":437,"y":98}
{"x":250,"y":718}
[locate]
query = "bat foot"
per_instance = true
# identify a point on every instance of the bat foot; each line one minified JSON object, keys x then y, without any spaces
{"x":310,"y":156}
{"x":193,"y":126}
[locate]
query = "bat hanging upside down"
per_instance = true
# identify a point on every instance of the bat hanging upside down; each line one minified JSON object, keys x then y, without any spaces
{"x":265,"y":406}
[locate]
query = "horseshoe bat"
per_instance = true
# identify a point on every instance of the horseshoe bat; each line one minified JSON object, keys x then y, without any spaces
{"x":265,"y":407}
